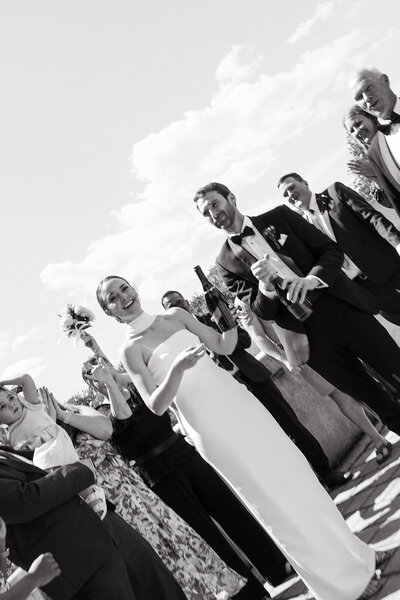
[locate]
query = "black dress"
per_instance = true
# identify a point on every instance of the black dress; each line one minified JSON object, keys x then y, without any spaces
{"x":175,"y":471}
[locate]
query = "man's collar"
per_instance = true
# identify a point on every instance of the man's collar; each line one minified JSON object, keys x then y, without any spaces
{"x":246,"y":222}
{"x":313,"y":202}
{"x":396,"y":109}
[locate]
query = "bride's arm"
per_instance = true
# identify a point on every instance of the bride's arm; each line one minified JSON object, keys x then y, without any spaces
{"x":158,"y":399}
{"x":220,"y":343}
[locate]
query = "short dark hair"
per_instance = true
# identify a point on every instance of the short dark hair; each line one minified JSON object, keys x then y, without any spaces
{"x":294,"y":175}
{"x":357,"y":110}
{"x":214,"y":186}
{"x":168,"y":293}
{"x":86,"y":370}
{"x":98,"y":292}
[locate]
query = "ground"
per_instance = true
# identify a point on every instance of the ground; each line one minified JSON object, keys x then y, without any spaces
{"x":370,"y":503}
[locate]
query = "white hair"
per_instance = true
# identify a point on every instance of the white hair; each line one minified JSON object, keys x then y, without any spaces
{"x":365,"y":73}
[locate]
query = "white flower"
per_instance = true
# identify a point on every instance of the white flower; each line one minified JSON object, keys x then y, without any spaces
{"x":83,"y":312}
{"x":66,"y":321}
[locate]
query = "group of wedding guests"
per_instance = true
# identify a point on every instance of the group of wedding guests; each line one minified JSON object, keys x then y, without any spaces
{"x":213,"y":502}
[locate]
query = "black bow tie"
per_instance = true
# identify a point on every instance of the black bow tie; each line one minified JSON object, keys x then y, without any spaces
{"x":237,"y":239}
{"x":385,"y":129}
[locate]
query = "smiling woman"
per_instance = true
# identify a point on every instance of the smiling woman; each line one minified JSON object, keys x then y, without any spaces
{"x":120,"y":299}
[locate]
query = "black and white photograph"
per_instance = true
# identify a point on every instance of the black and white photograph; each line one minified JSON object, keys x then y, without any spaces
{"x":200,"y":303}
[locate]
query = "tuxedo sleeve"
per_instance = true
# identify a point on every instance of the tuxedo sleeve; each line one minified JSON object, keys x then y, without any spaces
{"x":22,"y":502}
{"x":328,"y":257}
{"x":244,"y":340}
{"x":267,"y":306}
{"x":372,"y":217}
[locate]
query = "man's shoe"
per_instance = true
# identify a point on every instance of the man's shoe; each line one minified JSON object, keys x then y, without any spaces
{"x":372,"y":588}
{"x":382,"y":557}
{"x":337,"y":478}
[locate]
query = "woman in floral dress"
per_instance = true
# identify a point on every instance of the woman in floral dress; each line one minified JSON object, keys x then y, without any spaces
{"x":200,"y":572}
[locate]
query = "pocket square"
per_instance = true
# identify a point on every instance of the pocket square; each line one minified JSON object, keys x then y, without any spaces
{"x":282,"y":238}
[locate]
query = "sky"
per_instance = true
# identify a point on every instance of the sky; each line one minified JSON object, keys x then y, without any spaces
{"x":113,"y":113}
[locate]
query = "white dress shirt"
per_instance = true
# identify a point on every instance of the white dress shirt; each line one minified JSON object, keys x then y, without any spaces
{"x":393,"y":138}
{"x":258,"y":247}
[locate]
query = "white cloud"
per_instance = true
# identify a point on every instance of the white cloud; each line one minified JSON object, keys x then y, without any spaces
{"x":237,"y":65}
{"x":4,"y":344}
{"x":34,"y":334}
{"x":324,"y":11}
{"x":236,"y":139}
{"x":33,"y":365}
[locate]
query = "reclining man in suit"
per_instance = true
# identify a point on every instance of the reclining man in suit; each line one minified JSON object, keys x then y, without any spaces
{"x":341,"y":328}
{"x":370,"y":242}
{"x":257,"y":379}
{"x":98,"y":559}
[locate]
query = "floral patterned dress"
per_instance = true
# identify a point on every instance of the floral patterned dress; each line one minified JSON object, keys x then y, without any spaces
{"x":3,"y":583}
{"x":200,"y":572}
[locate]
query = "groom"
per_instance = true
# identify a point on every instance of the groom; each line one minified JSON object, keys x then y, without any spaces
{"x":341,"y":328}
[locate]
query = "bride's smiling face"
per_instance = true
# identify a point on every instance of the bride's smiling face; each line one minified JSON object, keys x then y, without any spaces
{"x":121,"y":299}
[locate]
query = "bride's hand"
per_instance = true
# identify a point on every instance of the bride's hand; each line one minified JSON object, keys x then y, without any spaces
{"x":189,"y":357}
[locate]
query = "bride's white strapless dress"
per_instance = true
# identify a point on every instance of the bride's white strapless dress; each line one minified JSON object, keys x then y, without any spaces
{"x":236,"y":435}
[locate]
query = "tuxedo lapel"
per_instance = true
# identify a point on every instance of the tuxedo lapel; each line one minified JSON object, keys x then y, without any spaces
{"x":241,"y":253}
{"x":12,"y":461}
{"x":281,"y":251}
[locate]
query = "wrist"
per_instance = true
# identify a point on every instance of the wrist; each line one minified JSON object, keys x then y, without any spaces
{"x":66,"y":416}
{"x":265,"y":287}
{"x":33,"y":580}
{"x":177,"y":367}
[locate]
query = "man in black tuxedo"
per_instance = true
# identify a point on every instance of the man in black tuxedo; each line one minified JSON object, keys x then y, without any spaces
{"x":370,"y":242}
{"x":341,"y":328}
{"x":372,"y":91}
{"x":256,"y":377}
{"x":98,"y":559}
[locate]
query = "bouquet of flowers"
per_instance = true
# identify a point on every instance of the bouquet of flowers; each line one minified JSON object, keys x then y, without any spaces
{"x":75,"y":319}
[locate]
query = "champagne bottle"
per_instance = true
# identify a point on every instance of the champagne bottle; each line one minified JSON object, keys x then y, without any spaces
{"x":299,"y":310}
{"x":216,"y":303}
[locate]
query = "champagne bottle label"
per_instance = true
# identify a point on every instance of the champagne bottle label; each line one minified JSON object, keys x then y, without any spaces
{"x":216,"y":303}
{"x":299,"y":310}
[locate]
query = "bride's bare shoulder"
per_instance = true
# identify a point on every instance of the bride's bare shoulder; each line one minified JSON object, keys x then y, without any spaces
{"x":132,"y":348}
{"x":177,"y":314}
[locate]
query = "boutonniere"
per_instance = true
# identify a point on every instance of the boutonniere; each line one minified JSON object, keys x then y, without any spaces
{"x":326,"y":203}
{"x":270,"y":234}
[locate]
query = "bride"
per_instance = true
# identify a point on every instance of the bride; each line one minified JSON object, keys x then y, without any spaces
{"x":165,"y":355}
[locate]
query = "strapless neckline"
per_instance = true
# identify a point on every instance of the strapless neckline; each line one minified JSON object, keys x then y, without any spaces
{"x":156,"y":349}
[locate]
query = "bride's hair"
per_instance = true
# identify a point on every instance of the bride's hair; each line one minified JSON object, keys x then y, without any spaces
{"x":99,"y":296}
